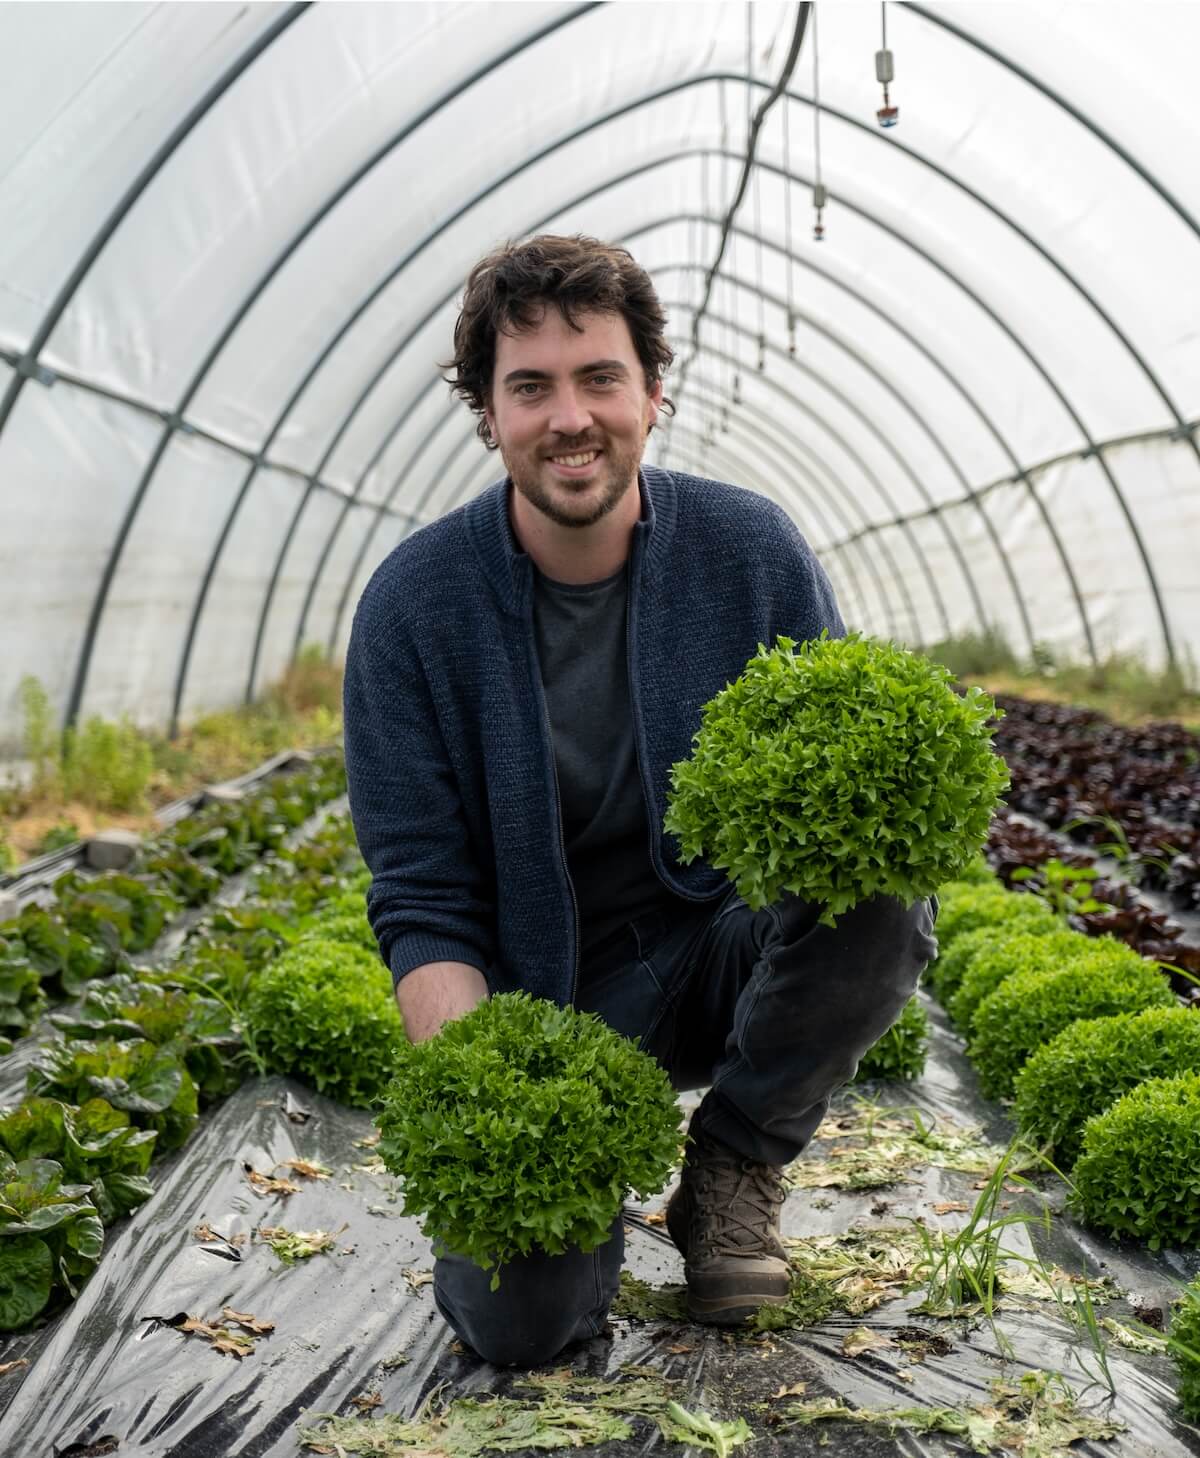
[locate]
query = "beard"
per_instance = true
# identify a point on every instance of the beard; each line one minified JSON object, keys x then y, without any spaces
{"x":579,"y":503}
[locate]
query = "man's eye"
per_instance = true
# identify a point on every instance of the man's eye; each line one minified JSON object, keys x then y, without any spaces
{"x":603,"y":379}
{"x":530,"y":387}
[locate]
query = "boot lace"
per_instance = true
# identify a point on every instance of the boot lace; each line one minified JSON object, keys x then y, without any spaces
{"x":737,"y":1203}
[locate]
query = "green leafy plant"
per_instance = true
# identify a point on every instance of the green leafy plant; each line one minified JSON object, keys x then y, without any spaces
{"x":1184,"y":1346}
{"x":58,"y":837}
{"x":900,"y":1053}
{"x":352,"y":928}
{"x":150,"y":1083}
{"x":1029,"y":1008}
{"x":522,"y":1126}
{"x":965,"y":1268}
{"x":201,"y":1028}
{"x":846,"y":770}
{"x":1091,"y":1064}
{"x":21,"y":995}
{"x":114,"y":904}
{"x":107,"y":765}
{"x":977,"y":872}
{"x":325,"y":1012}
{"x":1017,"y":951}
{"x":64,"y":959}
{"x":1066,"y":890}
{"x":1138,"y":1172}
{"x":965,"y":907}
{"x":50,"y":1238}
{"x":95,"y":1144}
{"x":40,"y":738}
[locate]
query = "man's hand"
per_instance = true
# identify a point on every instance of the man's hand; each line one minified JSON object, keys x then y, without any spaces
{"x":438,"y":993}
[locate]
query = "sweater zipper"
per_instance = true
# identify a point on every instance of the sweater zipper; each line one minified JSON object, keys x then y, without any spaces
{"x":562,"y":842}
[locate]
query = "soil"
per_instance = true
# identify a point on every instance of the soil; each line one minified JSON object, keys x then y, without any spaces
{"x":25,"y":833}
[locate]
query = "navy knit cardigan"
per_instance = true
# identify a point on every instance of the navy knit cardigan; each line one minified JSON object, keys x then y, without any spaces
{"x":453,"y":790}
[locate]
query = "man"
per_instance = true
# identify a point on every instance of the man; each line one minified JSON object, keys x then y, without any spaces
{"x":521,"y":675}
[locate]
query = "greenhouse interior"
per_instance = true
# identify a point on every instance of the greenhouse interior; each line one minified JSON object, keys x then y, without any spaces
{"x":599,"y":728}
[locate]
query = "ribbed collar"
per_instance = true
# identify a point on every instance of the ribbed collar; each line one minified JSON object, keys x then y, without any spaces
{"x":510,"y":570}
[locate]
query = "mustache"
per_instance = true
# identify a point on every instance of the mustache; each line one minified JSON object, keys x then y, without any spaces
{"x":570,"y":446}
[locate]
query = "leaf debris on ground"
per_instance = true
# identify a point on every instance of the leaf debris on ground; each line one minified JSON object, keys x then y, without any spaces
{"x":266,"y":1185}
{"x":234,"y":1336}
{"x":566,"y":1410}
{"x":306,"y":1168}
{"x":875,"y":1149}
{"x":298,"y":1245}
{"x":1037,"y":1418}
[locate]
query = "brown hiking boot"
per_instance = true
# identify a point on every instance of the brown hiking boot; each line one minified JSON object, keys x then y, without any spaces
{"x":724,"y":1218}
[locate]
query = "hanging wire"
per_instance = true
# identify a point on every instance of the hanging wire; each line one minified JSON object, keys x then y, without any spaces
{"x":762,"y":326}
{"x":802,"y":16}
{"x":724,"y":369}
{"x":762,"y":306}
{"x":885,"y":72}
{"x":787,"y":227}
{"x":819,"y":196}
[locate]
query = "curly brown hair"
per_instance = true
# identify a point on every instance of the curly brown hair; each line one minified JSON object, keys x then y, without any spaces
{"x":507,"y":290}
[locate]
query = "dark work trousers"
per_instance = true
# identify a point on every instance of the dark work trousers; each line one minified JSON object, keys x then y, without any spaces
{"x":769,"y":1011}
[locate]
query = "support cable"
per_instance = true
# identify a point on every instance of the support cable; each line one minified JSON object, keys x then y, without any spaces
{"x":802,"y":15}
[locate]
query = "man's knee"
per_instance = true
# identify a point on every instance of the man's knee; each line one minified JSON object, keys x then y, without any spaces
{"x":543,"y":1303}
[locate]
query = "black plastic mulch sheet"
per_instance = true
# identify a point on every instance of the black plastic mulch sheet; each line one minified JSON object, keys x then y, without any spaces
{"x":109,"y":1374}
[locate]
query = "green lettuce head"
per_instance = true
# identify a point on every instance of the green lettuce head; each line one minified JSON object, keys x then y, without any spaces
{"x":848,"y":769}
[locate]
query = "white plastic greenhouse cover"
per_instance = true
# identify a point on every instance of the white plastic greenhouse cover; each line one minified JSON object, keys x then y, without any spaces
{"x":233,"y":238}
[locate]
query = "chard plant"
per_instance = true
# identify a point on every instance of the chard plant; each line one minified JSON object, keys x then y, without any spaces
{"x":847,"y":769}
{"x":523,"y":1126}
{"x":50,"y":1238}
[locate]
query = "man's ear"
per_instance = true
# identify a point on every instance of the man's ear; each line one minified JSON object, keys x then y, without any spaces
{"x":489,"y":417}
{"x":655,"y":394}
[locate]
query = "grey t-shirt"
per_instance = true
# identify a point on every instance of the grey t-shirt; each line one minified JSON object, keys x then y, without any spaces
{"x":581,"y":643}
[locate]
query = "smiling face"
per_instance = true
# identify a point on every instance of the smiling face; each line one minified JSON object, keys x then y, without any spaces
{"x":570,"y":412}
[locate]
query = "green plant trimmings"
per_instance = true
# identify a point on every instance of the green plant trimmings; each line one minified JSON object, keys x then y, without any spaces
{"x":1030,"y":1008}
{"x":325,"y":1012}
{"x":900,"y":1053}
{"x":522,"y":1126}
{"x":1139,"y":1169}
{"x":1090,"y":1064}
{"x":1016,"y":951}
{"x":1184,"y":1346}
{"x":847,"y":769}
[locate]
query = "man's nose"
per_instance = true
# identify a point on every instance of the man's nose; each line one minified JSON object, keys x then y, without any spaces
{"x":570,"y":414}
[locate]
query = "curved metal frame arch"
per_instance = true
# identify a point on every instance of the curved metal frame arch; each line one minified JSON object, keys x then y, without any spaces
{"x":27,"y":363}
{"x":790,"y":453}
{"x":1061,"y":101}
{"x":871,"y":429}
{"x":1020,"y":473}
{"x":798,"y":404}
{"x":933,"y":507}
{"x":385,"y":502}
{"x":696,"y":152}
{"x":174,"y":418}
{"x":830,"y":490}
{"x":590,"y":126}
{"x":469,"y":439}
{"x":1051,"y":384}
{"x":691,"y":459}
{"x":973,"y":495}
{"x":793,"y":464}
{"x":754,"y":81}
